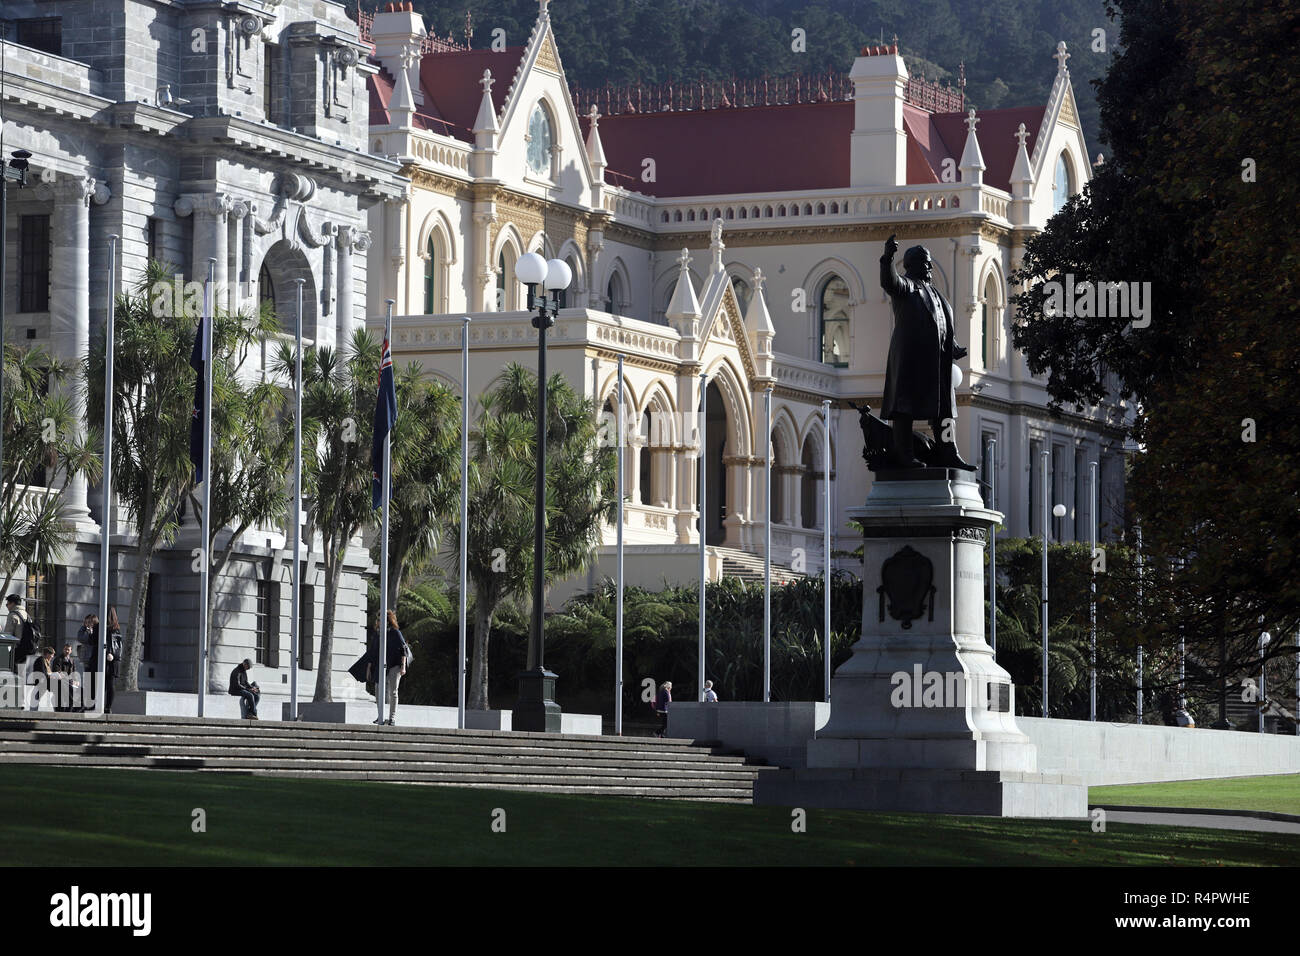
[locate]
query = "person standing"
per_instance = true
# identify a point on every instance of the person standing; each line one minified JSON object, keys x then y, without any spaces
{"x":248,"y":694}
{"x":65,"y":669}
{"x":710,"y":697}
{"x":660,"y":705}
{"x":113,"y":658}
{"x":42,"y":675}
{"x":85,"y":635}
{"x":397,"y":656}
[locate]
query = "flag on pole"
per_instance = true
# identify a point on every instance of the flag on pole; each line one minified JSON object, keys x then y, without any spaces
{"x":197,"y":362}
{"x":385,"y":419}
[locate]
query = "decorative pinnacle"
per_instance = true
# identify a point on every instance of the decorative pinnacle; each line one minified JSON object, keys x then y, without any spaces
{"x":487,"y":81}
{"x":972,"y":120}
{"x":594,"y":116}
{"x":685,"y":257}
{"x":1022,"y":134}
{"x":1060,"y":56}
{"x":758,"y":279}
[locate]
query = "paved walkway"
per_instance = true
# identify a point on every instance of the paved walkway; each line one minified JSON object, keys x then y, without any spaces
{"x":1210,"y":819}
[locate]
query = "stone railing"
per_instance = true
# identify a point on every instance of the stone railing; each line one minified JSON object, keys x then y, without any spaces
{"x":440,"y":153}
{"x":806,"y":374}
{"x":628,"y":207}
{"x":25,"y":62}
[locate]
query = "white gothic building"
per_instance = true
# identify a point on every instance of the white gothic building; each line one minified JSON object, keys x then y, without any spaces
{"x":192,"y":129}
{"x":734,"y":232}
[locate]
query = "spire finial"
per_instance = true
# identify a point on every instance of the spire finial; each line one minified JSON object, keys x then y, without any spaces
{"x":487,"y":81}
{"x":1060,"y":56}
{"x":1022,"y":134}
{"x":594,"y":115}
{"x":972,"y":120}
{"x":685,"y":259}
{"x":758,"y":279}
{"x":544,"y":4}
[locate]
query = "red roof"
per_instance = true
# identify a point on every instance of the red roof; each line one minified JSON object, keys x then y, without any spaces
{"x":794,"y":147}
{"x":724,"y":151}
{"x":752,"y":149}
{"x":451,"y":83}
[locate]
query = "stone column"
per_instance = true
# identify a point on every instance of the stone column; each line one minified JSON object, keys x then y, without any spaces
{"x":350,"y":238}
{"x":234,"y":298}
{"x":211,"y":212}
{"x":70,"y":305}
{"x":483,"y":287}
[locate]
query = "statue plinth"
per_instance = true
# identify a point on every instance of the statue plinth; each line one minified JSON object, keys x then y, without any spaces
{"x":922,"y":716}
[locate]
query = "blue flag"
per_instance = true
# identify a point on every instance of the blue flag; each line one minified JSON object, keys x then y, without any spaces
{"x":385,"y":419}
{"x":196,"y":417}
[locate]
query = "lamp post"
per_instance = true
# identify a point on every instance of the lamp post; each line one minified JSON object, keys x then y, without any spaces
{"x":1264,"y":640}
{"x":1059,"y":512}
{"x":536,"y":709}
{"x":993,"y":548}
{"x":1092,"y":596}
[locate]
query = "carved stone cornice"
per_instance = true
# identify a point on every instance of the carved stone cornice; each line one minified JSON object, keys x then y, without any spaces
{"x":822,"y":232}
{"x":437,"y":182}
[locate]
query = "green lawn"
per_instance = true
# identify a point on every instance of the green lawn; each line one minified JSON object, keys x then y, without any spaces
{"x":1280,"y":794}
{"x":70,"y":816}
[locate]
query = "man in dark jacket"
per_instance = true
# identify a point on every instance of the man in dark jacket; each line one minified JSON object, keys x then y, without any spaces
{"x":65,"y":669}
{"x":918,"y":378}
{"x":42,"y":675}
{"x":248,"y":694}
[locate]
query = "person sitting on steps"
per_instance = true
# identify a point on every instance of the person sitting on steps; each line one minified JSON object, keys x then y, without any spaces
{"x":248,"y":694}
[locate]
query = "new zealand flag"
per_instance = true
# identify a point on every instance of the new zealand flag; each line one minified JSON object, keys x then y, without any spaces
{"x":385,"y":419}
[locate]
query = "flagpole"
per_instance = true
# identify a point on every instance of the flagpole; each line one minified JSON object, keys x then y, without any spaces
{"x":106,"y":499}
{"x":464,"y":521}
{"x":385,"y":489}
{"x":704,"y":416}
{"x":826,"y":543}
{"x":295,"y":516}
{"x":767,"y":545}
{"x":618,"y":569}
{"x":206,"y":496}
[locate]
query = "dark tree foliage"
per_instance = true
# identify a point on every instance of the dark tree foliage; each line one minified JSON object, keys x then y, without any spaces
{"x":1196,"y":108}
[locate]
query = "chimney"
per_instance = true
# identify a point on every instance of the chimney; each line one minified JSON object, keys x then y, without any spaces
{"x":878,"y":151}
{"x":397,"y":28}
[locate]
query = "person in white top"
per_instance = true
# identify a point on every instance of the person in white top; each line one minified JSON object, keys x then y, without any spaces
{"x":709,"y":696}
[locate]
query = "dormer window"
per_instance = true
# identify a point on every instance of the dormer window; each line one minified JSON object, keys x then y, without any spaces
{"x":540,"y":140}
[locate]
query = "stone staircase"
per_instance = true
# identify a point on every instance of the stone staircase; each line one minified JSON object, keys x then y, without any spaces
{"x":503,"y":760}
{"x":749,"y":567}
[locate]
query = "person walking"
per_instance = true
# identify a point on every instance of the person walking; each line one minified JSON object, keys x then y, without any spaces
{"x":112,"y":660}
{"x":248,"y":694}
{"x":396,"y":658}
{"x":660,"y":705}
{"x":710,"y":697}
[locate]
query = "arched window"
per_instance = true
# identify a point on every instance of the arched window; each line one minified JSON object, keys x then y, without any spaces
{"x":741,"y":288}
{"x":988,"y":319}
{"x":808,"y":498}
{"x":1062,"y":183}
{"x":646,"y":475}
{"x":502,"y":304}
{"x":614,"y":295}
{"x":540,"y":140}
{"x":430,"y":278}
{"x":265,"y":287}
{"x":777,"y":508}
{"x":833,"y":314}
{"x":562,"y":295}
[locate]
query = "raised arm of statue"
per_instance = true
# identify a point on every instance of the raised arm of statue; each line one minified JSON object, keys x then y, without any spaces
{"x":889,"y":280}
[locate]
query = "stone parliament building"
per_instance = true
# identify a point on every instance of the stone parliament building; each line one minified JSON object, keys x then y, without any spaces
{"x":731,"y":231}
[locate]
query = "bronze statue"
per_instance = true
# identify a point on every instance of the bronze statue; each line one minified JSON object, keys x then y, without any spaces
{"x":918,"y":378}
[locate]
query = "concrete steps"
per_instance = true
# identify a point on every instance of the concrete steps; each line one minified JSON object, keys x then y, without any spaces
{"x":749,"y":567}
{"x":553,"y":763}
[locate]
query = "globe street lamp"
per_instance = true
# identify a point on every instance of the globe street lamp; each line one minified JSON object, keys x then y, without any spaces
{"x":536,"y":708}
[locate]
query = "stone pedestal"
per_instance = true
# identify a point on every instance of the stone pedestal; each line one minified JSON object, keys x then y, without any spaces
{"x":922,"y":708}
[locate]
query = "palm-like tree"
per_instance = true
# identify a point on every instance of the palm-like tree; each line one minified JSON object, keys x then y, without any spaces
{"x":153,"y":388}
{"x":338,"y":408}
{"x":251,"y":449}
{"x":426,"y":474}
{"x":41,"y":453}
{"x":579,"y":480}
